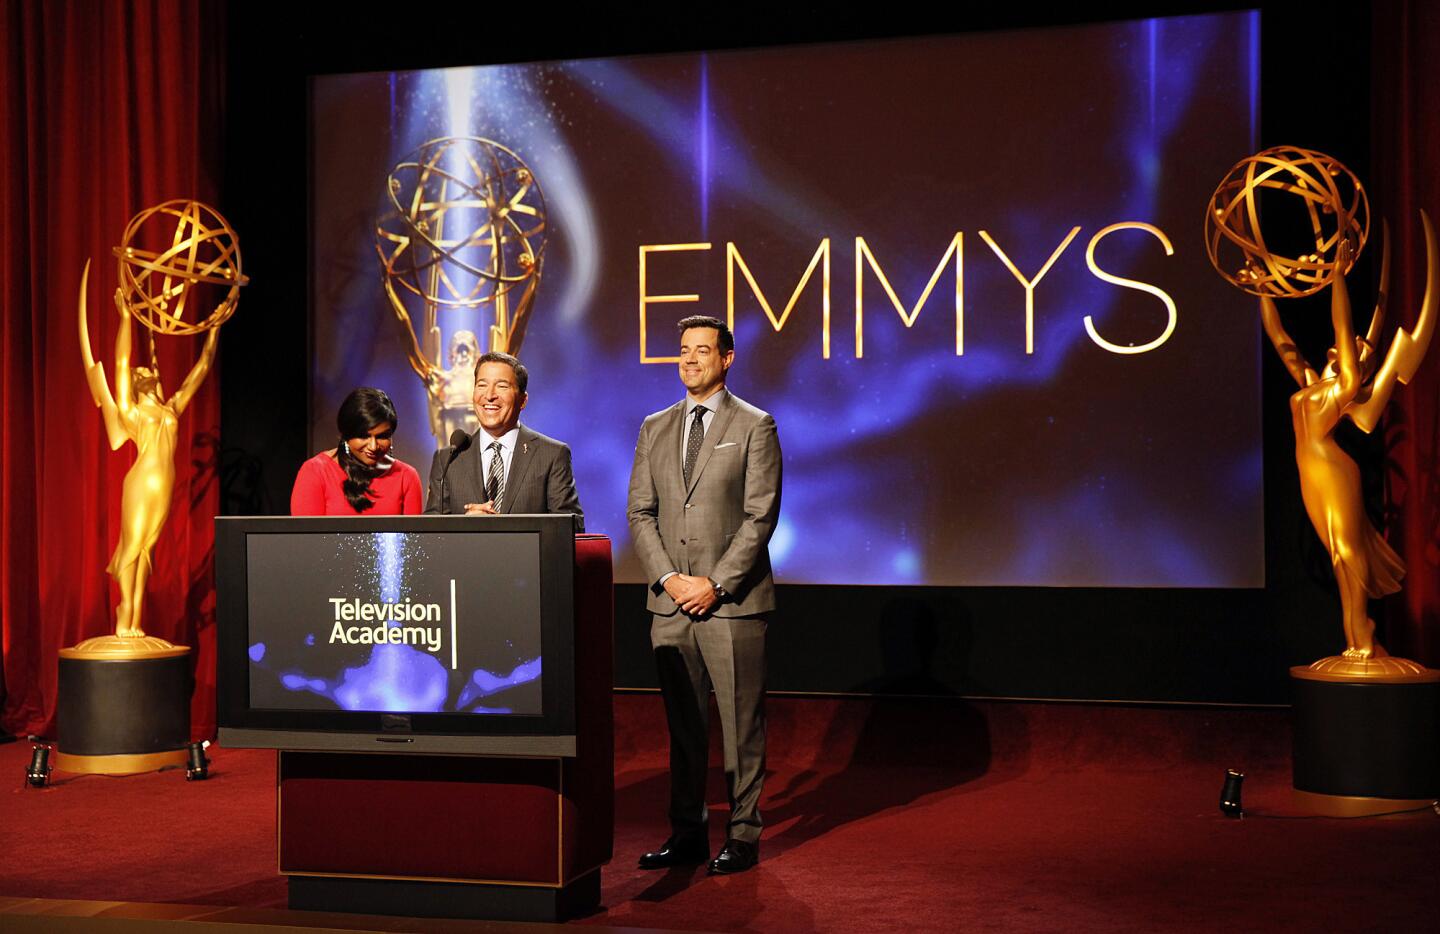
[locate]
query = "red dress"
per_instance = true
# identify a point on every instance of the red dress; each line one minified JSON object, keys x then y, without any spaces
{"x":318,"y":490}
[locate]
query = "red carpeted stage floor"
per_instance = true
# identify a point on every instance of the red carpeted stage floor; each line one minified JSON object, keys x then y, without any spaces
{"x":887,"y":815}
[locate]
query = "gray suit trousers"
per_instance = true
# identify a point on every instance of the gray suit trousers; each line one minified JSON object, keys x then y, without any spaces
{"x":692,"y":656}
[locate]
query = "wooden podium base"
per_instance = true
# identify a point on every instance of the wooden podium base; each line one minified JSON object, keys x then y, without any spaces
{"x":1365,"y":745}
{"x":487,"y":837}
{"x":439,"y":899}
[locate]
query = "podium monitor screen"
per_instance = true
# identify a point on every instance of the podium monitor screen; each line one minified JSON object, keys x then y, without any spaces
{"x":402,"y":627}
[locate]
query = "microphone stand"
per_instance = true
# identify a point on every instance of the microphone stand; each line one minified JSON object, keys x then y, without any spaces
{"x":459,"y":443}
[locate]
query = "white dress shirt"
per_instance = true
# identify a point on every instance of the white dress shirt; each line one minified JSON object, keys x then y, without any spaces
{"x":507,"y":452}
{"x":712,"y":405}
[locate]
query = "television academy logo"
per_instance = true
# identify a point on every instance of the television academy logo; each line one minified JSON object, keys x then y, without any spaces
{"x":387,"y":623}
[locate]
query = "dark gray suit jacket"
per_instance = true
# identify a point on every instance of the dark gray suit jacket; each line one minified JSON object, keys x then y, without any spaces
{"x":540,"y":478}
{"x":719,"y":525}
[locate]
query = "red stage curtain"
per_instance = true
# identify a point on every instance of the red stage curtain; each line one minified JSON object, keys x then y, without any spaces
{"x":106,"y":108}
{"x":1406,"y":143}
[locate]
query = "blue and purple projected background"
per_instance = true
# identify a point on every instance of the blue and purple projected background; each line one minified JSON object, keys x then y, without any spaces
{"x":395,"y":621}
{"x":1077,"y":463}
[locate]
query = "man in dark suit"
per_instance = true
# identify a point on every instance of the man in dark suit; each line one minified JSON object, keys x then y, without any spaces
{"x":704,"y":497}
{"x":506,"y":467}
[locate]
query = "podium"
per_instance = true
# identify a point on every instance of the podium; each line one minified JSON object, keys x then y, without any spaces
{"x":498,"y":808}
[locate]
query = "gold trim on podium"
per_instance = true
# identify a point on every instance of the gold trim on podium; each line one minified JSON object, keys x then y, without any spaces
{"x":121,"y":763}
{"x":560,"y":822}
{"x":1356,"y":805}
{"x":457,"y":881}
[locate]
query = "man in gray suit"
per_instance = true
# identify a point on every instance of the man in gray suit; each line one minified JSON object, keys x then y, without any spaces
{"x":704,"y":496}
{"x":506,"y":467}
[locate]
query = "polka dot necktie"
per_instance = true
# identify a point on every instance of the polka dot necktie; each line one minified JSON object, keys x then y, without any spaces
{"x":693,"y":443}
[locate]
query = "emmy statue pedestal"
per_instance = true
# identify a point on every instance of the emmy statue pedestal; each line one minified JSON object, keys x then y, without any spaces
{"x":1365,"y":744}
{"x":123,"y":708}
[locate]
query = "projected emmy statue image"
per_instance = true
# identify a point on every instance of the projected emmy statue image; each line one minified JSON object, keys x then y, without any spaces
{"x":464,"y":228}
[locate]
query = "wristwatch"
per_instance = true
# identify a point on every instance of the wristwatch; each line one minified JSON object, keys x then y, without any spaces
{"x":719,"y":591}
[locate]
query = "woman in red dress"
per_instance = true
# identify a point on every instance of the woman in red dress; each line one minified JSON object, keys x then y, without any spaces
{"x":359,"y":477}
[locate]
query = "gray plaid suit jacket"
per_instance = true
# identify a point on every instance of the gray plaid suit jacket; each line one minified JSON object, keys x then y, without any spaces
{"x":719,"y":525}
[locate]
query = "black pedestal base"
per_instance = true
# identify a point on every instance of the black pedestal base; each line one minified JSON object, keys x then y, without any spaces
{"x":424,"y":899}
{"x":123,"y":715}
{"x":1366,"y":739}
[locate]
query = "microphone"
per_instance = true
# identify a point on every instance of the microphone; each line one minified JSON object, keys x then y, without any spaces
{"x":460,"y":441}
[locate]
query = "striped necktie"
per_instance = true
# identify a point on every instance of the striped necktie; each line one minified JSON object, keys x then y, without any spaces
{"x":495,"y":483}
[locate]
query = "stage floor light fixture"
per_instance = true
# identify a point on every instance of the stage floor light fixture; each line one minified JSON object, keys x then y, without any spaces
{"x":38,"y":773}
{"x":1230,"y":804}
{"x":198,"y":768}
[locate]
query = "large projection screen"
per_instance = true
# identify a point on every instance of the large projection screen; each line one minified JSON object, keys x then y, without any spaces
{"x":1076,"y":400}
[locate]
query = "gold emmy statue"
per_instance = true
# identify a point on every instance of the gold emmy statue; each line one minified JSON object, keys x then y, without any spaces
{"x":1333,"y":221}
{"x":465,"y":227}
{"x":155,"y":289}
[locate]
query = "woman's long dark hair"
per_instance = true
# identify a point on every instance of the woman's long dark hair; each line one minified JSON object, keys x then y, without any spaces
{"x":363,"y":410}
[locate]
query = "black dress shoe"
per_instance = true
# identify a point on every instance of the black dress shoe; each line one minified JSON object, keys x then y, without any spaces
{"x":677,"y":851}
{"x":735,"y":856}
